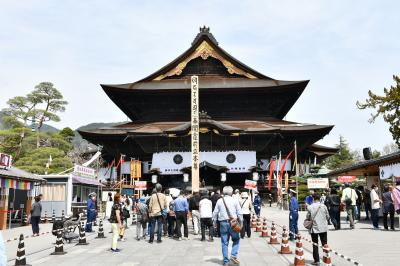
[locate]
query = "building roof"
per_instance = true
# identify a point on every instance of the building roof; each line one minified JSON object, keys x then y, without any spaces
{"x":16,"y":173}
{"x":367,"y":166}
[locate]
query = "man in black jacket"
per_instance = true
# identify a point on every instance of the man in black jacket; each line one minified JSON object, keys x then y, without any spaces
{"x":194,"y":209}
{"x":214,"y":198}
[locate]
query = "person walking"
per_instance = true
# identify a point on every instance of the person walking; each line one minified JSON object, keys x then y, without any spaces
{"x":36,"y":213}
{"x":236,"y":196}
{"x":309,"y":199}
{"x":333,"y":204}
{"x":116,"y":221}
{"x":181,"y":210}
{"x":293,"y":216}
{"x":171,"y":219}
{"x":257,"y":203}
{"x":124,"y":216}
{"x":318,"y":214}
{"x":91,"y":212}
{"x":168,"y":199}
{"x":205,"y":209}
{"x":247,"y":208}
{"x":157,"y":207}
{"x":367,"y":203}
{"x":228,"y":208}
{"x":388,"y":208}
{"x":396,"y":197}
{"x":109,"y":205}
{"x":359,"y":202}
{"x":349,"y":198}
{"x":142,"y":219}
{"x":375,"y":205}
{"x":194,"y":209}
{"x":214,"y":198}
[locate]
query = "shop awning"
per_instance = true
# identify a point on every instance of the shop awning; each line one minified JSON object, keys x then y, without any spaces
{"x":85,"y":181}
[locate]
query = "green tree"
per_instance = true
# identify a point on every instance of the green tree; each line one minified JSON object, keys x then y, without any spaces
{"x":67,"y":133}
{"x":342,"y":158}
{"x":52,"y":102}
{"x":35,"y":161}
{"x":388,"y":106}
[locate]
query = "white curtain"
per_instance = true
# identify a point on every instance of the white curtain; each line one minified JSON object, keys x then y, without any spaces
{"x":387,"y":171}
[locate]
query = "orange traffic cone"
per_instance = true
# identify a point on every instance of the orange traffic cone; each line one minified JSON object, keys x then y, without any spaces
{"x":326,"y":259}
{"x":273,"y":240}
{"x":285,"y":242}
{"x":258,"y":226}
{"x":253,"y":221}
{"x":299,"y":258}
{"x":264,"y":230}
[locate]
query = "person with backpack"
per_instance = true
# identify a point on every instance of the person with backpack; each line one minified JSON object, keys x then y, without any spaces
{"x":349,"y":198}
{"x":247,"y":209}
{"x":205,"y":209}
{"x":142,"y":219}
{"x":333,"y":204}
{"x":116,"y":221}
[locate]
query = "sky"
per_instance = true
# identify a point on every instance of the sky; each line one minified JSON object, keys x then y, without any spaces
{"x":344,"y":48}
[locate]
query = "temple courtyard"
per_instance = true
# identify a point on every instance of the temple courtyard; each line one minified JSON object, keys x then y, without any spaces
{"x":363,"y":245}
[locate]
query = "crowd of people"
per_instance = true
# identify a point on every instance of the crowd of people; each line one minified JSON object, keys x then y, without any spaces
{"x":164,"y":214}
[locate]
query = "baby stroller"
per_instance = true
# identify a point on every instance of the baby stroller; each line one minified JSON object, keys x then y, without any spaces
{"x":67,"y":227}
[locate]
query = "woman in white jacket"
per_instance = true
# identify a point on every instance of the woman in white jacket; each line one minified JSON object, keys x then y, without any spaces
{"x":247,"y":210}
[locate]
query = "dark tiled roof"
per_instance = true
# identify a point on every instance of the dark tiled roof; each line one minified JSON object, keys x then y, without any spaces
{"x":16,"y":173}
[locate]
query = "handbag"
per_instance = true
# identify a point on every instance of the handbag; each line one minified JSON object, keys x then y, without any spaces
{"x":163,"y":211}
{"x":235,"y":225}
{"x":308,"y":223}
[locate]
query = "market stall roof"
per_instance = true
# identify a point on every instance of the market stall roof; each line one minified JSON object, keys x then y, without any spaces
{"x":85,"y":181}
{"x":367,"y":167}
{"x":16,"y":173}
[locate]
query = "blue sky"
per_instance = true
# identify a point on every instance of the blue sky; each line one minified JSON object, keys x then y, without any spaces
{"x":344,"y":47}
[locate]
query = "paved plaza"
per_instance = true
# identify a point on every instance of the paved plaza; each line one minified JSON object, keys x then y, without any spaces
{"x":362,"y":244}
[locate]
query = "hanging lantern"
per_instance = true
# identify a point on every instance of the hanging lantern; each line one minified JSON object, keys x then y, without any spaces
{"x":154,"y":179}
{"x":223,"y":177}
{"x":255,"y":176}
{"x":185,"y":177}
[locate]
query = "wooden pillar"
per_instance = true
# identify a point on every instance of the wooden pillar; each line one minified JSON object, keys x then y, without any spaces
{"x":3,"y":207}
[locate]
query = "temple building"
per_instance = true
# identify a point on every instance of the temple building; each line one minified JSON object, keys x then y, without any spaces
{"x":242,"y":122}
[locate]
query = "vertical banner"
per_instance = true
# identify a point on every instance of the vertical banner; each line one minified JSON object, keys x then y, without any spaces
{"x":195,"y":133}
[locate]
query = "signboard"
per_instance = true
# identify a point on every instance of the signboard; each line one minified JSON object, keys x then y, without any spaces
{"x":5,"y":160}
{"x":195,"y":125}
{"x":84,"y":171}
{"x":346,"y":178}
{"x":140,"y":185}
{"x":136,"y":169}
{"x":317,"y":183}
{"x":250,"y":184}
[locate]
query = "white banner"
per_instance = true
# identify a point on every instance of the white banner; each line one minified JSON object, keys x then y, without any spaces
{"x":170,"y":163}
{"x":195,"y":132}
{"x":387,"y":171}
{"x":250,"y":184}
{"x":317,"y":183}
{"x":84,"y":171}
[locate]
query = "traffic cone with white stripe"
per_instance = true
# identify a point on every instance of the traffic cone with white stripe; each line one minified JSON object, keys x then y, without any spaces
{"x":21,"y":259}
{"x":100,"y":233}
{"x":285,"y":242}
{"x":59,"y":247}
{"x":82,"y":235}
{"x":258,"y":227}
{"x":299,"y":258}
{"x":25,"y":221}
{"x":273,"y":240}
{"x":53,"y":217}
{"x":45,"y":217}
{"x":326,"y":259}
{"x":62,"y":215}
{"x":264,"y":230}
{"x":253,"y":221}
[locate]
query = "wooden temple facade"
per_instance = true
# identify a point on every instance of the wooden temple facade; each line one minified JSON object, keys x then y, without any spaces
{"x":241,"y":110}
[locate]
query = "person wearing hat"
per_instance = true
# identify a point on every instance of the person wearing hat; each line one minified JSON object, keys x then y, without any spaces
{"x":293,"y":215}
{"x":247,"y":209}
{"x":91,"y":212}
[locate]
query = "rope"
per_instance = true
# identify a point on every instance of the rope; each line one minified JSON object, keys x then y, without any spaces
{"x":316,"y":244}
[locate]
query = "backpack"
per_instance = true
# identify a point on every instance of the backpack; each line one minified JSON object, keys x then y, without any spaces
{"x":125,"y":213}
{"x":348,"y":200}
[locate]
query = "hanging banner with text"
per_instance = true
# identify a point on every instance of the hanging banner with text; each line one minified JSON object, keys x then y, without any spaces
{"x":250,"y":184}
{"x":140,"y":185}
{"x":195,"y":124}
{"x":346,"y":178}
{"x":136,"y":169}
{"x":317,"y":183}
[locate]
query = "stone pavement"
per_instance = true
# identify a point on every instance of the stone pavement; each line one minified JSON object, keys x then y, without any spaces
{"x":363,"y":244}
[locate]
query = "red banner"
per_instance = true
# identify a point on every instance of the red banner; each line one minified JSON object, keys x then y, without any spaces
{"x":271,"y":172}
{"x":347,"y":178}
{"x":283,"y":167}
